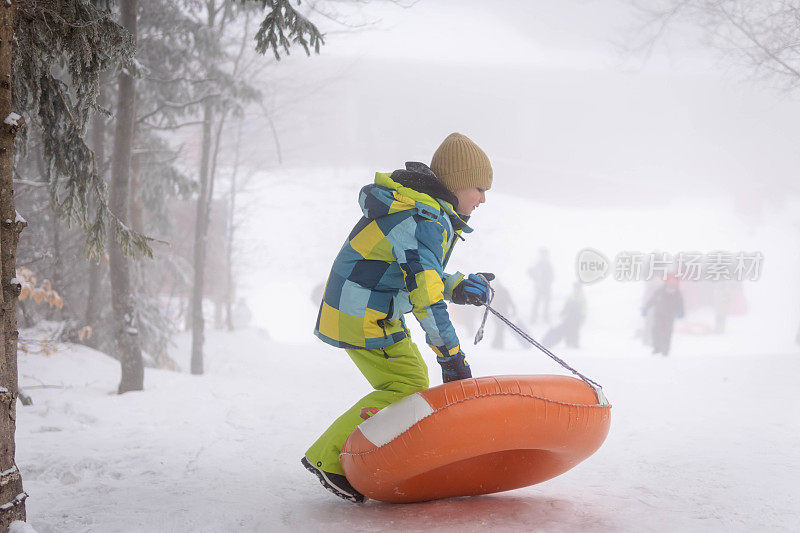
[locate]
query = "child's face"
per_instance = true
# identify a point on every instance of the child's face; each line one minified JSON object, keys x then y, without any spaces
{"x":469,"y":199}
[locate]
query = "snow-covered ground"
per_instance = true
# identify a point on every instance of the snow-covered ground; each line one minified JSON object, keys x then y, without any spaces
{"x":697,"y":443}
{"x":707,"y":439}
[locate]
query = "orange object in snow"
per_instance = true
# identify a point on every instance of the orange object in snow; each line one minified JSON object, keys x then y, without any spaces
{"x":475,"y":436}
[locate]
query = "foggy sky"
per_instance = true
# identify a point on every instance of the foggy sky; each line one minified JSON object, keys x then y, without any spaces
{"x":544,"y":88}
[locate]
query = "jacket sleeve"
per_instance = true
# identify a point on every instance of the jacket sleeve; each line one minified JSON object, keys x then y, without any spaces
{"x":418,"y":251}
{"x":450,"y":281}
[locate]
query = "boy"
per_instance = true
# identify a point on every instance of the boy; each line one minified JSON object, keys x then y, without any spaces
{"x":392,"y":264}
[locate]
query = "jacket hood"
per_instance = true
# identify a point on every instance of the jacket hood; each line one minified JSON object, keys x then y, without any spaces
{"x":415,"y":187}
{"x":420,"y":177}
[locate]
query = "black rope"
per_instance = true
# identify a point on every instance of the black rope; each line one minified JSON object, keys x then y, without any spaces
{"x":479,"y":335}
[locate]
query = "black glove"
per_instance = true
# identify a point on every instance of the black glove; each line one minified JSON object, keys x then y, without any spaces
{"x":454,"y":367}
{"x":472,"y":290}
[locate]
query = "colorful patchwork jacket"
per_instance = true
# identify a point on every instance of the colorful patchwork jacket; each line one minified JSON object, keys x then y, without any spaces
{"x":393,"y":263}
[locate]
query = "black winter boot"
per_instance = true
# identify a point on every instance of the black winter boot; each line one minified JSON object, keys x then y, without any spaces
{"x":336,"y":483}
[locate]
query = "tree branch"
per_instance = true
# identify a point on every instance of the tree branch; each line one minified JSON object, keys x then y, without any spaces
{"x":170,"y":128}
{"x":173,"y":105}
{"x":748,"y":33}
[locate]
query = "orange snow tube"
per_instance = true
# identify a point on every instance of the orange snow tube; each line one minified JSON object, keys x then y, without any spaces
{"x":475,"y":436}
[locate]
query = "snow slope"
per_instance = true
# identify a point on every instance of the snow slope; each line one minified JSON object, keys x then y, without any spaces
{"x":705,"y":440}
{"x":697,"y":443}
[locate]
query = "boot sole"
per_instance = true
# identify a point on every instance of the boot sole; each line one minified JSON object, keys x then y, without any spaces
{"x":328,"y":484}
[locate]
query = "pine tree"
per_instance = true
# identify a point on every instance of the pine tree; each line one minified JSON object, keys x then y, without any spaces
{"x":282,"y":27}
{"x":126,"y":334}
{"x":51,"y":55}
{"x":64,"y":47}
{"x":231,"y":92}
{"x":169,"y":46}
{"x":12,"y":497}
{"x":50,"y":68}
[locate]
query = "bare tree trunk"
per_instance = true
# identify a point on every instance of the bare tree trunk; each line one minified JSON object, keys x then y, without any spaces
{"x":200,"y":235}
{"x":229,"y":297}
{"x":218,"y":298}
{"x":92,"y":302}
{"x":53,"y":312}
{"x":218,"y":307}
{"x":126,"y":335}
{"x":231,"y":294}
{"x":12,"y":497}
{"x":93,"y":291}
{"x":136,"y":203}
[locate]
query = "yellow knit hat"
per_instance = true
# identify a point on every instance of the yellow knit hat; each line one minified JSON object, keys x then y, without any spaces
{"x":459,"y":163}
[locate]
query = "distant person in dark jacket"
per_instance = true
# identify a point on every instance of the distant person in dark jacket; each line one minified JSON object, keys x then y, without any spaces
{"x":572,"y":318}
{"x":650,"y":287}
{"x":542,"y":274}
{"x":241,"y":314}
{"x":503,"y":302}
{"x":797,"y":338}
{"x":667,"y":303}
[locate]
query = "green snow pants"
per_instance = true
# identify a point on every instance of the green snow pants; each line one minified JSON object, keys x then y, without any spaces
{"x":394,"y":372}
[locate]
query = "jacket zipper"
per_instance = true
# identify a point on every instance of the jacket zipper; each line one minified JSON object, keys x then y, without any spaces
{"x":382,"y":321}
{"x":450,"y":249}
